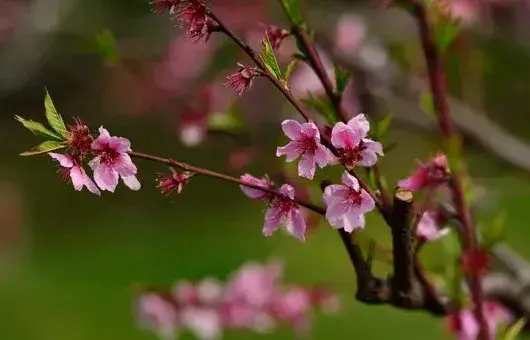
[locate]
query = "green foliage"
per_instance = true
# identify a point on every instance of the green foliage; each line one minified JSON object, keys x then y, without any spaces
{"x":38,"y":129}
{"x":514,"y":330}
{"x":380,"y":128}
{"x":289,"y":71}
{"x":493,"y":232}
{"x":106,"y":46}
{"x":293,"y":10}
{"x":322,"y":106}
{"x":44,"y":147}
{"x":341,"y":79}
{"x":268,"y":58}
{"x":426,"y":103}
{"x":445,"y":32}
{"x":227,"y":121}
{"x":54,"y":118}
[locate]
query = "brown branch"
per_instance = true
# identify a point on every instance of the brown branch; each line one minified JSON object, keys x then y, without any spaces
{"x":227,"y":178}
{"x":437,"y":84}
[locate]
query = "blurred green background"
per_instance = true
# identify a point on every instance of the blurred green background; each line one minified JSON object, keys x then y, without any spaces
{"x":69,"y":260}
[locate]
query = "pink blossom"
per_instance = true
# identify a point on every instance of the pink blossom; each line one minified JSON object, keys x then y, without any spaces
{"x":242,"y":79}
{"x":254,"y":284}
{"x":305,"y":142}
{"x":292,"y":306}
{"x":347,"y":204}
{"x":256,"y":193}
{"x":429,"y":175}
{"x":202,"y":30}
{"x":159,"y":315}
{"x":465,"y":324}
{"x":352,"y":146}
{"x":76,"y":172}
{"x":192,"y":13}
{"x":175,"y":182}
{"x":284,"y":210}
{"x":465,"y":11}
{"x":162,"y":6}
{"x":204,"y":322}
{"x":276,"y":35}
{"x":112,"y":162}
{"x":350,"y":33}
{"x":79,"y":138}
{"x":427,"y":229}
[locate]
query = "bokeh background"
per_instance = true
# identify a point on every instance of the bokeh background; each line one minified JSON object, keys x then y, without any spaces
{"x":69,"y":261}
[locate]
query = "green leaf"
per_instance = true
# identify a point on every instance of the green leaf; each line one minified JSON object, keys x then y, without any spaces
{"x":324,"y":107}
{"x":289,"y":71}
{"x":493,"y":232}
{"x":515,"y":329}
{"x":426,"y":103}
{"x":37,"y":128}
{"x":54,"y":118}
{"x":106,"y":46}
{"x":46,"y":146}
{"x":381,"y":127}
{"x":445,"y":32}
{"x":341,"y":78}
{"x":293,"y":10}
{"x":301,"y":57}
{"x":268,"y":58}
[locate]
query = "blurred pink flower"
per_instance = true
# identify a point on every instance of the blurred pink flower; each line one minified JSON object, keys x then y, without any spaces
{"x":255,"y":193}
{"x":174,"y":182}
{"x":159,"y":315}
{"x":429,"y":175}
{"x":112,"y":162}
{"x":292,"y":307}
{"x":75,"y":171}
{"x":427,"y":229}
{"x":347,"y":204}
{"x":9,"y":17}
{"x":352,"y":146}
{"x":305,"y":143}
{"x":465,"y":11}
{"x":349,"y":33}
{"x":205,"y":323}
{"x":467,"y":328}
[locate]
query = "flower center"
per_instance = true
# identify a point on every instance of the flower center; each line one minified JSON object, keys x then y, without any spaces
{"x":354,"y":197}
{"x":109,"y":156}
{"x":352,"y":156}
{"x":284,"y":204}
{"x":307,"y":144}
{"x":436,"y":174}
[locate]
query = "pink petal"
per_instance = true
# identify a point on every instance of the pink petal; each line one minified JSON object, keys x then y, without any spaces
{"x":413,"y":183}
{"x":273,"y":219}
{"x":292,"y":129}
{"x":124,"y":165}
{"x":65,"y":160}
{"x":132,"y":182}
{"x":306,"y":166}
{"x":106,"y":177}
{"x":367,"y":202}
{"x":287,"y":190}
{"x":336,"y":210}
{"x":102,"y":141}
{"x":291,"y":151}
{"x":80,"y":179}
{"x":205,"y":323}
{"x":120,"y":144}
{"x":95,"y":163}
{"x":295,"y":224}
{"x":360,"y":125}
{"x":344,"y":137}
{"x":310,"y":130}
{"x":251,"y":192}
{"x":322,"y":156}
{"x":350,"y":181}
{"x":335,"y":192}
{"x":352,"y":221}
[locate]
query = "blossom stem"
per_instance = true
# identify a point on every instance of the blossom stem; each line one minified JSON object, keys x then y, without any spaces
{"x":227,"y":178}
{"x":438,"y":89}
{"x":255,"y":58}
{"x":318,"y":67}
{"x":287,"y":94}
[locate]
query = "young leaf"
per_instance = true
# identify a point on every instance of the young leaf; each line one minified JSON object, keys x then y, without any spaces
{"x":54,"y":118}
{"x":301,"y":57}
{"x":515,"y":329}
{"x":106,"y":46}
{"x":493,"y":232}
{"x":43,"y":147}
{"x":341,"y":78}
{"x":445,"y":32}
{"x":289,"y":71}
{"x":293,"y":10}
{"x":324,"y":107}
{"x":37,"y":128}
{"x":381,"y":127}
{"x":268,"y":58}
{"x":426,"y":103}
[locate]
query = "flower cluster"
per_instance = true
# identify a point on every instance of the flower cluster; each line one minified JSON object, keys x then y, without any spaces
{"x":467,"y":328}
{"x":253,"y":299}
{"x":111,"y":161}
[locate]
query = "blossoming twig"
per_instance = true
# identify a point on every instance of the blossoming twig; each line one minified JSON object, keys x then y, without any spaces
{"x":210,"y":173}
{"x":437,"y":84}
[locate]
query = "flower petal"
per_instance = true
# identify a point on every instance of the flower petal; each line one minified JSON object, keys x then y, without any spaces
{"x":350,"y":181}
{"x":106,"y":177}
{"x":310,"y":130}
{"x":335,"y":192}
{"x":292,"y":129}
{"x":132,"y":182}
{"x":336,"y":210}
{"x":273,"y":219}
{"x":296,"y":224}
{"x":322,"y":156}
{"x":120,"y":144}
{"x":287,"y":190}
{"x":80,"y":179}
{"x":344,"y":137}
{"x":360,"y":125}
{"x":352,"y":221}
{"x":124,"y":165}
{"x":367,"y":202}
{"x":306,"y":166}
{"x":251,"y":192}
{"x":102,"y":141}
{"x":291,"y":151}
{"x":64,"y":160}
